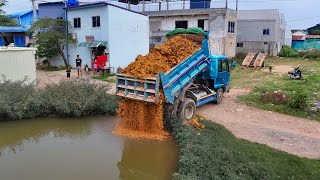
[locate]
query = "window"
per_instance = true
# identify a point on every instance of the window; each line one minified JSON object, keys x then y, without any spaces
{"x":76,"y":22}
{"x":59,"y":17}
{"x":223,"y":66}
{"x":240,"y":45}
{"x":201,"y":23}
{"x":96,"y":21}
{"x":265,"y":43}
{"x":266,"y":32}
{"x":182,"y":24}
{"x":231,"y":26}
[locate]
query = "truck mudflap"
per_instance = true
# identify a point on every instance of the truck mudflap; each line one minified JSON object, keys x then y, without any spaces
{"x":142,"y":89}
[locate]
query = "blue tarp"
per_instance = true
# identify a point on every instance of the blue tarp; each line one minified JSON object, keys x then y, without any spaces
{"x":72,"y":3}
{"x":13,"y":29}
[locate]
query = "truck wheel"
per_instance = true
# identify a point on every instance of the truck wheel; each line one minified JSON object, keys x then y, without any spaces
{"x":219,"y":96}
{"x":187,"y":109}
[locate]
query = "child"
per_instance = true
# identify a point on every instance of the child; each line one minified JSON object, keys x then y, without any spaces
{"x":68,"y":72}
{"x":86,"y":68}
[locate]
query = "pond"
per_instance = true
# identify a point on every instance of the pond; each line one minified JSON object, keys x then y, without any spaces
{"x":82,"y":148}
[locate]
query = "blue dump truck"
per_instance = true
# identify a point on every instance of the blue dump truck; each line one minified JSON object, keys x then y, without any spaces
{"x":197,"y":80}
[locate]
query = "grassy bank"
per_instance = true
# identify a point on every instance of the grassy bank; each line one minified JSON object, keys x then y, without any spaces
{"x":65,"y":99}
{"x":106,"y":77}
{"x":214,"y":153}
{"x":299,"y":95}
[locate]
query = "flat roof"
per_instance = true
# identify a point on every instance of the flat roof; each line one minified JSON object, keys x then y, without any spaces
{"x":89,"y":5}
{"x":187,"y":12}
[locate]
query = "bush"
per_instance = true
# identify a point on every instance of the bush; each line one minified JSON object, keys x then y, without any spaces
{"x":298,"y":100}
{"x":18,"y":100}
{"x":287,"y":51}
{"x":68,"y":98}
{"x":313,"y":54}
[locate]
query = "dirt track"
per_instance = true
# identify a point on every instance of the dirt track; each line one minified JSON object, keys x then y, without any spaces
{"x":291,"y":134}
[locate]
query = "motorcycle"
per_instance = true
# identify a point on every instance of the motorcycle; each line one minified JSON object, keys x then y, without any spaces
{"x":295,"y":74}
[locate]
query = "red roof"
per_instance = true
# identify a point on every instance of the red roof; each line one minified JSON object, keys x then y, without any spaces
{"x":294,"y":37}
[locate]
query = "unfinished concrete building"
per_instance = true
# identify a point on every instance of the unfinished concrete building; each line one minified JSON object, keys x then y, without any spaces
{"x":220,"y":22}
{"x":261,"y":31}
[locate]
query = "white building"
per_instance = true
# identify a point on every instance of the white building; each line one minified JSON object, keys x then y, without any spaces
{"x":106,"y":28}
{"x":261,"y":31}
{"x":17,"y":63}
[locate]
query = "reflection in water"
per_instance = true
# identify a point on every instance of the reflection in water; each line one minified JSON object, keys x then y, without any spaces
{"x":147,"y":159}
{"x":13,"y":134}
{"x":80,"y":149}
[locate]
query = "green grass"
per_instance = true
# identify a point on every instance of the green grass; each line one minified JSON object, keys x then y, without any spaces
{"x":214,"y":153}
{"x":106,"y":77}
{"x":260,"y":81}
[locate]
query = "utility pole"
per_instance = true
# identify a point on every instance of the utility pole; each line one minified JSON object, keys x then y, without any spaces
{"x":237,"y":5}
{"x":226,"y":4}
{"x":34,"y":6}
{"x":143,"y":5}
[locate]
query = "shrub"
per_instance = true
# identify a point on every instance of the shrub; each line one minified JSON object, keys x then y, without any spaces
{"x":19,"y":100}
{"x":287,"y":51}
{"x":298,"y":100}
{"x":275,"y":97}
{"x":77,"y":98}
{"x":313,"y":54}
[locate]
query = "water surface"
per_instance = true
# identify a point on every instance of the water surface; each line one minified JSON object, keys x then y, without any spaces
{"x":80,"y":149}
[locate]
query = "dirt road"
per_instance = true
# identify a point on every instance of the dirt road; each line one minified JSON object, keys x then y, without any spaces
{"x":52,"y":77}
{"x":291,"y":134}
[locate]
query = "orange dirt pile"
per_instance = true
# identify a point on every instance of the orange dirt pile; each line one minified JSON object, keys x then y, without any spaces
{"x":196,"y":122}
{"x":145,"y":120}
{"x":162,"y":58}
{"x":141,"y":119}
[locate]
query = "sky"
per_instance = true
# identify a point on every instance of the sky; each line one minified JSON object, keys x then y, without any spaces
{"x":300,"y":14}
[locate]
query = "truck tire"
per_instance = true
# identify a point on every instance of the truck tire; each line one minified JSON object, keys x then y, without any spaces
{"x":187,"y":109}
{"x":219,"y":96}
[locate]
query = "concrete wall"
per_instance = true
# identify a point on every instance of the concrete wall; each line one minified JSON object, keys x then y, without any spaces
{"x":18,"y":63}
{"x":257,"y":46}
{"x":221,"y":42}
{"x":51,"y":10}
{"x":128,"y":36}
{"x":99,"y":33}
{"x":168,"y":23}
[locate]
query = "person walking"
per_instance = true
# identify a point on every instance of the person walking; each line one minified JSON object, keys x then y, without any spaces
{"x":78,"y":65}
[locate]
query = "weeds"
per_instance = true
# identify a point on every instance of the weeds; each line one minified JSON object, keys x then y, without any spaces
{"x":106,"y":77}
{"x":214,"y":153}
{"x":19,"y":100}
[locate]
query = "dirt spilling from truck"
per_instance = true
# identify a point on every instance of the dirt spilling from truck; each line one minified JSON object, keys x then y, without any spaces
{"x":145,"y":120}
{"x":162,"y":58}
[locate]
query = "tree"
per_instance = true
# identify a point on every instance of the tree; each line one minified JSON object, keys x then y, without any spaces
{"x":52,"y":37}
{"x":5,"y":20}
{"x":316,"y":32}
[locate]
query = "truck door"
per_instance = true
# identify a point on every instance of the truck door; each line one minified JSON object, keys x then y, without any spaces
{"x":223,"y":73}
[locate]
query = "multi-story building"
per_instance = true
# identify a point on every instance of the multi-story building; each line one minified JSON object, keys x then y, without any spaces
{"x":261,"y":31}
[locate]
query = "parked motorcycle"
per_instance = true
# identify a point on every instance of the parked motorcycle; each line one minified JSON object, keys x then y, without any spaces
{"x":295,"y":74}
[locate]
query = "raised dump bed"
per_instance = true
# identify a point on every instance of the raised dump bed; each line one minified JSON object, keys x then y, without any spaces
{"x":172,"y":82}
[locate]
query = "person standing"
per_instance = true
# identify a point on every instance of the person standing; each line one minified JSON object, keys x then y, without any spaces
{"x":78,"y":65}
{"x":68,"y":72}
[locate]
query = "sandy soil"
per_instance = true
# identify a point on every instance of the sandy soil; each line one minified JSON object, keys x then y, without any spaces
{"x":45,"y":77}
{"x":279,"y":69}
{"x":291,"y":134}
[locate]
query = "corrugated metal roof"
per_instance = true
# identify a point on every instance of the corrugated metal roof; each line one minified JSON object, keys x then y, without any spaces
{"x":13,"y":29}
{"x":18,"y":14}
{"x":99,"y":4}
{"x":297,"y":37}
